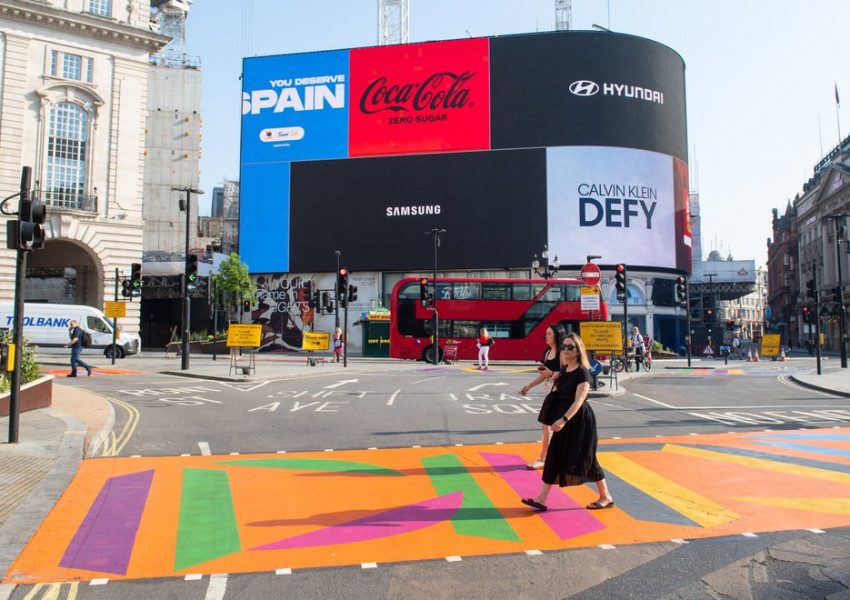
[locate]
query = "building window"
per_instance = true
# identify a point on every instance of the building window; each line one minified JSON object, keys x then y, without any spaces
{"x":101,"y":7}
{"x":66,"y":156}
{"x":70,"y":66}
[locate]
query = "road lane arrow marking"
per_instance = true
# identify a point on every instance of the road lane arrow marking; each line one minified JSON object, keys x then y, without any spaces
{"x":339,"y":383}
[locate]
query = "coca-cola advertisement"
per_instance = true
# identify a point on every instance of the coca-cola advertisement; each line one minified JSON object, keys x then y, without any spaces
{"x":419,"y":98}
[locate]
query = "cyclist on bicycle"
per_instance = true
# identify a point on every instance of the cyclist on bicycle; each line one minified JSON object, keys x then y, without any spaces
{"x":638,"y":346}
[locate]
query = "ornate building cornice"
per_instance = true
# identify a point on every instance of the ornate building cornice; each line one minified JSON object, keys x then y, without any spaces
{"x":39,"y":14}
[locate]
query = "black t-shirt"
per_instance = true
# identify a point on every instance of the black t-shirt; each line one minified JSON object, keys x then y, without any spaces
{"x":77,"y":332}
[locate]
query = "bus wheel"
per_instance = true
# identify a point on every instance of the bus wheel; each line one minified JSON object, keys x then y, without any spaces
{"x":428,"y":355}
{"x":119,"y":352}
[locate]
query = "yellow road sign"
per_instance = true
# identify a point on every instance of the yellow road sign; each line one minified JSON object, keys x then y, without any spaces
{"x":770,"y":344}
{"x":244,"y":335}
{"x":114,"y":310}
{"x":316,"y":340}
{"x":602,"y":336}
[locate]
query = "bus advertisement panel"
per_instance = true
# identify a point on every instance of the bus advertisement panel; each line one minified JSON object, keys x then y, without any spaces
{"x":515,"y":312}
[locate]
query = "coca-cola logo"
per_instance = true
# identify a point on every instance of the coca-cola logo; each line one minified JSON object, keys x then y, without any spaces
{"x":431,"y":94}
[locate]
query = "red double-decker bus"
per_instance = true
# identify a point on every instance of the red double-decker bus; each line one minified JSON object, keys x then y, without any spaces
{"x":516,"y":313}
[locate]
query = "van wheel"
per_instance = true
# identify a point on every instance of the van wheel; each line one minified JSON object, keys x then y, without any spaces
{"x":119,"y":352}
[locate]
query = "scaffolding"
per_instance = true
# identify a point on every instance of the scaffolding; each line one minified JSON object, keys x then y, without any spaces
{"x":393,"y":22}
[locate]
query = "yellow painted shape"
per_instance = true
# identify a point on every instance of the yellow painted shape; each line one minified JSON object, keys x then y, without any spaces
{"x":695,"y":507}
{"x":735,"y":371}
{"x":832,"y":506}
{"x":760,"y":463}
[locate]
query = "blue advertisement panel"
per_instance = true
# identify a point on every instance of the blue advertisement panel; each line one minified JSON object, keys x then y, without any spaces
{"x":264,"y":224}
{"x":295,"y":107}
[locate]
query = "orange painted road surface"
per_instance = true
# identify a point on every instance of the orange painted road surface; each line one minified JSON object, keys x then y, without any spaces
{"x":131,"y":518}
{"x":96,"y":372}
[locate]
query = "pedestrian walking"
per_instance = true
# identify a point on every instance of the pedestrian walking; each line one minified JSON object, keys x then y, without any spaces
{"x":571,"y":459}
{"x":76,"y":345}
{"x":484,"y":343}
{"x":339,"y":344}
{"x":547,"y":373}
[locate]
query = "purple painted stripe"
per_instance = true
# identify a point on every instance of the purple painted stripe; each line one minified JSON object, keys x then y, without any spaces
{"x":104,"y":541}
{"x":396,"y":521}
{"x":565,"y":517}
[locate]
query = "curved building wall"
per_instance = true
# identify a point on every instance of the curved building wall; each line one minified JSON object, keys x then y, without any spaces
{"x":575,"y":140}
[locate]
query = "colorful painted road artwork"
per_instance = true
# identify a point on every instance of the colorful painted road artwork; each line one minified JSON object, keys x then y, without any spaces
{"x":130,"y":518}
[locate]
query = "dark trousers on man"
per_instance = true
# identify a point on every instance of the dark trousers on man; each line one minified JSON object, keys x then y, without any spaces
{"x":75,"y":360}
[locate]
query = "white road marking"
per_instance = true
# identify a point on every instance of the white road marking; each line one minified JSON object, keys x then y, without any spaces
{"x":339,"y":383}
{"x":478,"y":387}
{"x":217,"y":587}
{"x":205,"y":448}
{"x":392,"y":398}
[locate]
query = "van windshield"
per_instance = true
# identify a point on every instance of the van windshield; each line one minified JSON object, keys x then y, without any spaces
{"x":97,"y":324}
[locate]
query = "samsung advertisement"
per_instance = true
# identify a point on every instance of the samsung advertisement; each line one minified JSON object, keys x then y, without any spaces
{"x":364,"y":150}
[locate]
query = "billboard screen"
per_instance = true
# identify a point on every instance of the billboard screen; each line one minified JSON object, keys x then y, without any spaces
{"x":502,"y":133}
{"x":376,"y":211}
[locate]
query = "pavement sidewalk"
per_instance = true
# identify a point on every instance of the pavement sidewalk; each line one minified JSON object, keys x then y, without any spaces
{"x":53,"y":441}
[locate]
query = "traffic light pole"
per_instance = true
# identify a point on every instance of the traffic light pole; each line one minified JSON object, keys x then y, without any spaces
{"x":115,"y":319}
{"x":689,"y":334}
{"x":842,"y":309}
{"x":17,"y":332}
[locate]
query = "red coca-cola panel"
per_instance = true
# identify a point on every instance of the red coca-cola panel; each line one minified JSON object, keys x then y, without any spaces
{"x":416,"y":98}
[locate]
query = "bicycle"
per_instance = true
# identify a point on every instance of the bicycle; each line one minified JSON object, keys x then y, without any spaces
{"x":625,"y":362}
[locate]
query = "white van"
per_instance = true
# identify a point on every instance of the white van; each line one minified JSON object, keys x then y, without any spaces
{"x":48,"y":325}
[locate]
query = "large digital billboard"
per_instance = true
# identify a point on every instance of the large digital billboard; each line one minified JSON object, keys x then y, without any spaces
{"x":575,"y":140}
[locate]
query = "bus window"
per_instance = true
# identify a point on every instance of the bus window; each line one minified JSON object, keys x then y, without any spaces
{"x":467,"y":290}
{"x":573,"y":293}
{"x":411,"y":290}
{"x":524,"y":291}
{"x":444,"y":290}
{"x":465,"y":329}
{"x":496,"y":291}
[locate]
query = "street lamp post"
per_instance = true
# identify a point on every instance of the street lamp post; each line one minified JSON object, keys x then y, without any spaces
{"x":184,"y":343}
{"x":436,"y":349}
{"x":549,"y":270}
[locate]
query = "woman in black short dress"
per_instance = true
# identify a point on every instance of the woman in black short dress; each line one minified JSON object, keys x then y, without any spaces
{"x":571,"y":459}
{"x":547,"y":372}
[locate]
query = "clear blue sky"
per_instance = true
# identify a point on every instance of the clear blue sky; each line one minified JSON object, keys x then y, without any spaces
{"x":760,"y":79}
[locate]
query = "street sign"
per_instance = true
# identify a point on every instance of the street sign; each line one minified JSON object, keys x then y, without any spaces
{"x":246,"y":335}
{"x":316,"y":340}
{"x":113,"y":310}
{"x":590,"y":274}
{"x":590,"y":298}
{"x":602,"y":336}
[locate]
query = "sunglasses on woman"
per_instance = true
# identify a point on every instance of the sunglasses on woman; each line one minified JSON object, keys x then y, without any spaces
{"x":569,"y":347}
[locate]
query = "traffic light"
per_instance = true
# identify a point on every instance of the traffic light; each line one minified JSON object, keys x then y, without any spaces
{"x":126,"y":289}
{"x":136,"y":279}
{"x":191,"y":272}
{"x":620,"y":281}
{"x":342,"y":286}
{"x":730,"y":325}
{"x":246,"y":305}
{"x":7,"y":357}
{"x":811,"y":291}
{"x":681,"y":290}
{"x":307,"y":288}
{"x":708,"y":315}
{"x":352,"y":293}
{"x":837,"y":294}
{"x":807,"y":315}
{"x":327,"y":305}
{"x":424,"y":296}
{"x":26,"y":233}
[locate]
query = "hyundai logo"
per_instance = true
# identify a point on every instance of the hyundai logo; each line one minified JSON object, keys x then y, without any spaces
{"x":584,"y":87}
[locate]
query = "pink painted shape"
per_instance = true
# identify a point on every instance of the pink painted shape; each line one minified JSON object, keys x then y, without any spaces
{"x":396,"y":521}
{"x":565,"y":517}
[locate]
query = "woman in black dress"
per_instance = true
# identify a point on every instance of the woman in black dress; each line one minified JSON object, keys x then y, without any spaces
{"x":547,"y":372}
{"x":571,"y":459}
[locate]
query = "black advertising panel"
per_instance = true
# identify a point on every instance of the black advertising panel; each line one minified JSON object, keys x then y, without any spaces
{"x":582,"y":88}
{"x":376,"y":211}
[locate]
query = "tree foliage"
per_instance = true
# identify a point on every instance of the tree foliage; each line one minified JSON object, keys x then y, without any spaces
{"x":233,"y":279}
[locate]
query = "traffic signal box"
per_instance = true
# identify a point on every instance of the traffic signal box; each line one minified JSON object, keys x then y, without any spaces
{"x":352,"y":293}
{"x":27,"y":231}
{"x":681,"y":291}
{"x":126,"y":288}
{"x":191,"y":272}
{"x":342,"y":286}
{"x":811,"y":289}
{"x":620,"y":280}
{"x":424,"y":295}
{"x":136,"y":279}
